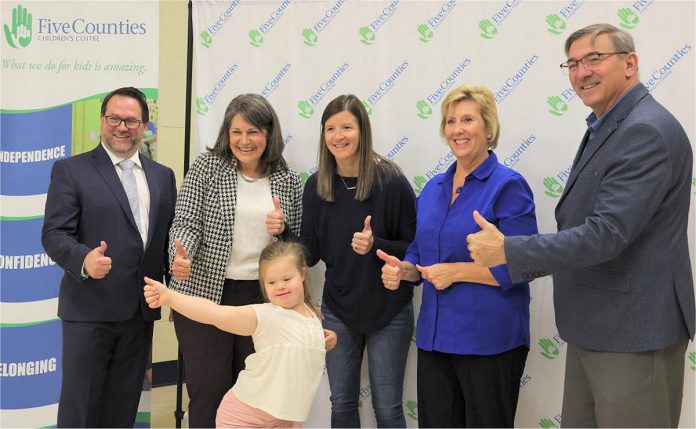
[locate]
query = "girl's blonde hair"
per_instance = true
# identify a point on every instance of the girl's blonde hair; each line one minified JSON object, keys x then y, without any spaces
{"x":295,"y":250}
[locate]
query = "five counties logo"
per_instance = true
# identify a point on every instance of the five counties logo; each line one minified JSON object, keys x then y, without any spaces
{"x":554,"y":188}
{"x":206,"y":40}
{"x":556,"y":24}
{"x":628,"y":18}
{"x":19,"y":34}
{"x":412,"y":407}
{"x":201,"y":106}
{"x":558,"y":106}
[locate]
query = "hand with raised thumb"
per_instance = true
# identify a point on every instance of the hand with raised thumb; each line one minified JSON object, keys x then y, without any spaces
{"x":181,"y":265}
{"x":392,"y":270}
{"x":363,"y":240}
{"x":275,"y":219}
{"x":155,"y":293}
{"x":486,"y":247}
{"x":97,"y":264}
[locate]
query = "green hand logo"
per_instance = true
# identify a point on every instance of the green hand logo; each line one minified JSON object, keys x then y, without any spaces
{"x":367,"y":107}
{"x":426,"y":34}
{"x":368,"y":36}
{"x":206,"y":40}
{"x":201,"y":106}
{"x":693,"y":183}
{"x":556,"y":24}
{"x":20,"y":33}
{"x":412,"y":407}
{"x":424,"y":109}
{"x":547,"y":424}
{"x":553,"y":188}
{"x":310,"y":36}
{"x":304,"y":176}
{"x":558,"y":106}
{"x":306,"y":109}
{"x":256,"y":38}
{"x":692,"y":358}
{"x":488,"y":30}
{"x":550,"y":351}
{"x":420,"y":182}
{"x":628,"y":18}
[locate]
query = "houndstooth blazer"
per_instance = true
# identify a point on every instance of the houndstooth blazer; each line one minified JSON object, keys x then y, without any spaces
{"x":204,"y":220}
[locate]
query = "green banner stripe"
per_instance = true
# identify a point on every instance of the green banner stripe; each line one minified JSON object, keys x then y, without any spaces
{"x":14,"y":219}
{"x":23,"y":325}
{"x":150,"y":93}
{"x":143,"y":417}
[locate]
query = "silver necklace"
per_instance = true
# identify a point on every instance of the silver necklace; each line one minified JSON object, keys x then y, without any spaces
{"x":350,"y":188}
{"x":247,"y":179}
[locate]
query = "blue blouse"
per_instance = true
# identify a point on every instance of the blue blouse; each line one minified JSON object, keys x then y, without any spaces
{"x":472,"y":318}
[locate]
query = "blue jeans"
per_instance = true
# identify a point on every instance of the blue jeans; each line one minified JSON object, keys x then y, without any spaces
{"x":387,"y":350}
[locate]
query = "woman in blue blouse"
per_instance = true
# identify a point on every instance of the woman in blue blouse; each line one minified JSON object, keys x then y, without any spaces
{"x":473,"y":328}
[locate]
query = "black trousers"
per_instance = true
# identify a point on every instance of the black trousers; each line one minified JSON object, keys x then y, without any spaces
{"x":214,"y":358}
{"x":469,"y":390}
{"x":103,"y":370}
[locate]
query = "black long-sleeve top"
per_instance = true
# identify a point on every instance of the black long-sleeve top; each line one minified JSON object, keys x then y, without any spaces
{"x":353,"y":288}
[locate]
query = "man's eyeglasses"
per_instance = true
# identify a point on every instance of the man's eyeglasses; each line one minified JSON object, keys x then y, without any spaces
{"x":115,"y":121}
{"x":588,"y":61}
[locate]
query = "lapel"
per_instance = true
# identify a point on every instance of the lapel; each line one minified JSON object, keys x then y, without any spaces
{"x":153,"y":186}
{"x":227,"y":191}
{"x":591,"y":146}
{"x":107,"y":170}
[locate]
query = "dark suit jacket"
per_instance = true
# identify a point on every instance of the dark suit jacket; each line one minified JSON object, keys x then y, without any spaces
{"x":621,"y":266}
{"x":86,"y":204}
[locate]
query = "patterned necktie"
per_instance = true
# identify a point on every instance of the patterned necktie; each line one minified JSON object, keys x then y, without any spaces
{"x":129,"y":185}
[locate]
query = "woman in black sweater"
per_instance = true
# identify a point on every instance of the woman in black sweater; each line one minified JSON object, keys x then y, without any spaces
{"x":356,"y":203}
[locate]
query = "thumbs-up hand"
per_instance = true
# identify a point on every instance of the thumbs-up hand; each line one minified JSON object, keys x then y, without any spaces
{"x":363,"y":240}
{"x":486,"y":247}
{"x":97,"y":264}
{"x":181,"y":265}
{"x":155,"y":293}
{"x":275,"y":220}
{"x":392,"y":270}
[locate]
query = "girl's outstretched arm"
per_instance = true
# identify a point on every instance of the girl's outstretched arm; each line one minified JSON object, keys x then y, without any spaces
{"x":236,"y":320}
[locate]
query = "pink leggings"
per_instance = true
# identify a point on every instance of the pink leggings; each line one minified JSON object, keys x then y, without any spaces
{"x":234,"y":413}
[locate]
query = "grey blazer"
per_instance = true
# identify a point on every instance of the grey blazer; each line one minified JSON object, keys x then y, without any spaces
{"x":204,"y":220}
{"x":620,"y":261}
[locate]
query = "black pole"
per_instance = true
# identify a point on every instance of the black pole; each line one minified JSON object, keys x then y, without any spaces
{"x":179,"y":413}
{"x":189,"y":79}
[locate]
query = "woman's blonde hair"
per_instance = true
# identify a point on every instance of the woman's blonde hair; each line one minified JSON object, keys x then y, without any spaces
{"x":295,"y":250}
{"x":484,"y":99}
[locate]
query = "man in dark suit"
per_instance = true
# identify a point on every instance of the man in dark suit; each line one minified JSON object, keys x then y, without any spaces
{"x":106,"y":223}
{"x":623,"y":287}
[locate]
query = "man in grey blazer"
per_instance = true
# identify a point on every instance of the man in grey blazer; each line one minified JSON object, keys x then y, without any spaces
{"x":623,"y":287}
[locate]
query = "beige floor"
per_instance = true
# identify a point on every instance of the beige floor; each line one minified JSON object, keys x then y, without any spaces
{"x":163,"y":407}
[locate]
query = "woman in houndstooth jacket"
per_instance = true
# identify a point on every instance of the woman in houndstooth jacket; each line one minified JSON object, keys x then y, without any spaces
{"x":236,"y":198}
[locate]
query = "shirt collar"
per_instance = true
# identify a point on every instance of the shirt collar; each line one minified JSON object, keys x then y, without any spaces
{"x":594,"y":123}
{"x":116,"y":159}
{"x":481,"y":172}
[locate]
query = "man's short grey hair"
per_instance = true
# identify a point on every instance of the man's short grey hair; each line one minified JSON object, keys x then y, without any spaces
{"x":621,"y":39}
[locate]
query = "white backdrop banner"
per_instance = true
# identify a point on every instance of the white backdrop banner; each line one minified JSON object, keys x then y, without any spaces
{"x":401,"y":58}
{"x":59,"y":58}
